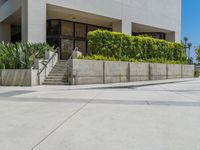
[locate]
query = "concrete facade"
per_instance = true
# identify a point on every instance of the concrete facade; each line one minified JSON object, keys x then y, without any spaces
{"x":125,"y":16}
{"x":100,"y":72}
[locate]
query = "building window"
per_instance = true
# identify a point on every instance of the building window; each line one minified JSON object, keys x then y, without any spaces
{"x":81,"y":46}
{"x":53,"y":27}
{"x":67,"y":35}
{"x":157,"y":35}
{"x":80,"y":30}
{"x":67,"y":47}
{"x":67,"y":28}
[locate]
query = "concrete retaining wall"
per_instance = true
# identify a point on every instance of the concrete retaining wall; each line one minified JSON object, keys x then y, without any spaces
{"x":115,"y":72}
{"x":99,"y":72}
{"x":21,"y":77}
{"x":86,"y":72}
{"x":158,"y":71}
{"x":139,"y":71}
{"x":28,"y":77}
{"x":174,"y":71}
{"x":188,"y":71}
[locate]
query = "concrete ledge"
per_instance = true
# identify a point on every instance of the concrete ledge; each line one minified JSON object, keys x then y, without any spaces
{"x":158,"y":71}
{"x":18,"y":77}
{"x":99,"y":72}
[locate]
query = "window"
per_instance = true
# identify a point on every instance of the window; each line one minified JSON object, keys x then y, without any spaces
{"x":92,"y":28}
{"x":66,"y":48}
{"x":67,"y":28}
{"x":80,"y":30}
{"x":53,"y":27}
{"x":81,"y":46}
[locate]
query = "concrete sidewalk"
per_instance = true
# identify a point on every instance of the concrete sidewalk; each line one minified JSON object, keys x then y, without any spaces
{"x":162,"y":116}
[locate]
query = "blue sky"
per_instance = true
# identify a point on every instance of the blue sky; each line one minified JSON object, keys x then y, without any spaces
{"x":191,"y":22}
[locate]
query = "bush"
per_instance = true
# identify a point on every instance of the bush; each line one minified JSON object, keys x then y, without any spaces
{"x":197,"y":73}
{"x":117,"y":45}
{"x":101,"y":57}
{"x":21,"y":55}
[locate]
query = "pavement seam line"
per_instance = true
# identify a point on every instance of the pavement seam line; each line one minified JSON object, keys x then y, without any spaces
{"x":63,"y":122}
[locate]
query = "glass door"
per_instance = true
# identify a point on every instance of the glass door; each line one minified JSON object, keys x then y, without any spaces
{"x":67,"y":47}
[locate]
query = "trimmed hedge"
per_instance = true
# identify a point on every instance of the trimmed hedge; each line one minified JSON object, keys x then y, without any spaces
{"x":119,"y":45}
{"x":106,"y":58}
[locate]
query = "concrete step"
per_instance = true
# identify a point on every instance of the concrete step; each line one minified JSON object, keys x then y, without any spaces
{"x":58,"y":71}
{"x":52,"y":80}
{"x":55,"y":83}
{"x":56,"y":77}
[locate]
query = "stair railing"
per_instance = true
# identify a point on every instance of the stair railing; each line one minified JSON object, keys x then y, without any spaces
{"x":46,"y":64}
{"x":68,"y":65}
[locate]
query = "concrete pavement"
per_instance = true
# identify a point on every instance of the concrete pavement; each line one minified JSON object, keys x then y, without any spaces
{"x":109,"y":117}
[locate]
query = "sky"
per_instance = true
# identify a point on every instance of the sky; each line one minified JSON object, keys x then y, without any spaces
{"x":191,"y":22}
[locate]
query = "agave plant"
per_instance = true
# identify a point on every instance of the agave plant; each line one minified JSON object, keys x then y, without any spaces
{"x":21,"y":55}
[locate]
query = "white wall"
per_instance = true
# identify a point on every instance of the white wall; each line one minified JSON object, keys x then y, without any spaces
{"x":33,"y":21}
{"x":163,"y":14}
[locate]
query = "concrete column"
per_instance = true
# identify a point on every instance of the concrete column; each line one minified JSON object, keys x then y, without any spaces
{"x":123,"y":26}
{"x":33,"y":21}
{"x":173,"y":37}
{"x":5,"y":32}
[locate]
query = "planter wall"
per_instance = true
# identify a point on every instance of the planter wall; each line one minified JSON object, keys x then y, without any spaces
{"x":28,"y":77}
{"x":21,"y":77}
{"x":99,"y":72}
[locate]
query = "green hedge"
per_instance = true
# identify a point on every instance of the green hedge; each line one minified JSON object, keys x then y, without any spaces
{"x":118,"y":45}
{"x":106,"y":58}
{"x":21,"y":55}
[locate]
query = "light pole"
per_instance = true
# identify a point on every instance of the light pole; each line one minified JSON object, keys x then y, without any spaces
{"x":189,"y":47}
{"x":185,"y":40}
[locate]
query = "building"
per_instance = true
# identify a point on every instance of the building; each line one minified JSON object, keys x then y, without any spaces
{"x":65,"y":23}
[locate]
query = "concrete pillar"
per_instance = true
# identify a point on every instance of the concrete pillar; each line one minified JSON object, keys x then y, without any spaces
{"x":33,"y":21}
{"x":173,"y":37}
{"x":123,"y":26}
{"x":5,"y":32}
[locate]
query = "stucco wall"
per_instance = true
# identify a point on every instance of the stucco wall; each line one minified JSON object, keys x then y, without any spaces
{"x":162,"y":14}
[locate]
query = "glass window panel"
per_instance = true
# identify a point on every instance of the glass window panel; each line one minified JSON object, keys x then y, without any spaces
{"x":53,"y":27}
{"x":81,"y":46}
{"x":92,"y":28}
{"x":66,"y":48}
{"x":54,"y":42}
{"x":80,"y":30}
{"x":67,"y":28}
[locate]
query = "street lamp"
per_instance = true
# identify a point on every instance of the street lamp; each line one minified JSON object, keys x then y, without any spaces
{"x":185,"y":40}
{"x":189,"y":47}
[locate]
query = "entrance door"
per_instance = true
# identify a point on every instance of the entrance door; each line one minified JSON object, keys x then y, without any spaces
{"x":67,"y":47}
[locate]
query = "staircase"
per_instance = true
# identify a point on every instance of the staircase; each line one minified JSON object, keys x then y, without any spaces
{"x":58,"y":75}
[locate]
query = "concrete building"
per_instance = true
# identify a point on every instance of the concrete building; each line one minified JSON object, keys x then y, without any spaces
{"x":65,"y":23}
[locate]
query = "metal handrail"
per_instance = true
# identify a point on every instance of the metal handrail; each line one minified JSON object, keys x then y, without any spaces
{"x":67,"y":62}
{"x":71,"y":56}
{"x":45,"y":66}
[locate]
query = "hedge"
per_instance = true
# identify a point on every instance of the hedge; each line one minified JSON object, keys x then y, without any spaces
{"x":118,"y":45}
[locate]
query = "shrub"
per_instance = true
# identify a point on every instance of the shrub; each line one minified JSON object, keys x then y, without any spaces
{"x":105,"y":58}
{"x":21,"y":55}
{"x":118,"y":45}
{"x":197,"y":73}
